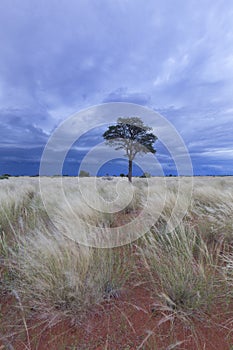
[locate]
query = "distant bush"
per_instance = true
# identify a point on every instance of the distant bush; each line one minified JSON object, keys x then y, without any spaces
{"x":84,"y":173}
{"x":4,"y":176}
{"x":145,"y":175}
{"x":109,"y":178}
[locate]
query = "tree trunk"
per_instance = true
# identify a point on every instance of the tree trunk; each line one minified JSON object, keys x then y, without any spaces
{"x":130,"y":170}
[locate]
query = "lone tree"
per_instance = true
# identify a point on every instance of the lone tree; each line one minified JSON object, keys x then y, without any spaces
{"x":131,"y":135}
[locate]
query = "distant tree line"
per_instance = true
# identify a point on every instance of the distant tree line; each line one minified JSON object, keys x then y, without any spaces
{"x":4,"y":176}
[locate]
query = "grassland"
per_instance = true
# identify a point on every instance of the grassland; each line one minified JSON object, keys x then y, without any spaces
{"x":97,"y":264}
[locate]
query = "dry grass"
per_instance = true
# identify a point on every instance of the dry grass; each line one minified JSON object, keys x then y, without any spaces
{"x":182,"y":270}
{"x":187,"y":252}
{"x":66,"y":276}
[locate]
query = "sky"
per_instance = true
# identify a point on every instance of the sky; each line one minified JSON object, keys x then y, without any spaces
{"x":61,"y":57}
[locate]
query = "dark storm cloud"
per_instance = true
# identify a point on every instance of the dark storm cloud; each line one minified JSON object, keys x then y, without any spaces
{"x":207,"y":135}
{"x":18,"y":128}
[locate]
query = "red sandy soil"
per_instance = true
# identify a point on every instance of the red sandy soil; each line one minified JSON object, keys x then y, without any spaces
{"x":125,"y":322}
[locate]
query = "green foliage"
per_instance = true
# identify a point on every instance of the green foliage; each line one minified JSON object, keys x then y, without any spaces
{"x":131,"y":135}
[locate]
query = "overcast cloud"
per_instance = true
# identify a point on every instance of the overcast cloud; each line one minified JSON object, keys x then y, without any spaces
{"x":58,"y":57}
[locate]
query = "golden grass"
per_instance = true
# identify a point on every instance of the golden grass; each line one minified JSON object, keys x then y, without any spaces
{"x":187,"y":252}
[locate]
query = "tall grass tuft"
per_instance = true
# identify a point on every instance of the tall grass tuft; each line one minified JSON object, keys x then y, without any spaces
{"x":57,"y":275}
{"x":227,"y":270}
{"x":182,"y":270}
